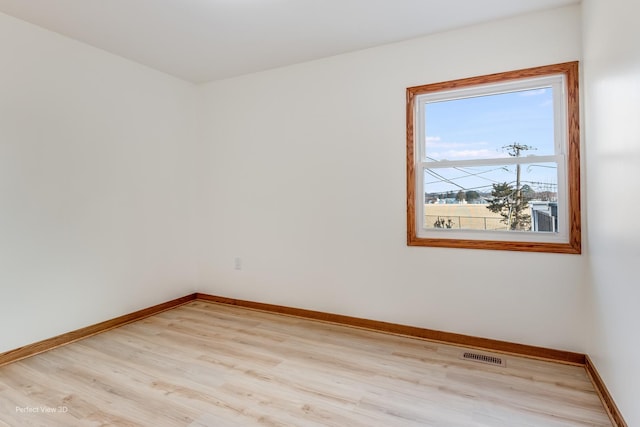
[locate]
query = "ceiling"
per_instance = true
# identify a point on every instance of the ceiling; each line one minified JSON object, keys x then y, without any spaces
{"x":204,"y":40}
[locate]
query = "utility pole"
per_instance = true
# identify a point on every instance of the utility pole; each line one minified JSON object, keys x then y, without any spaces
{"x":514,"y":150}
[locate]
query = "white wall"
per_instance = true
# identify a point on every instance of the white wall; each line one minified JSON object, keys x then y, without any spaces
{"x":96,"y":185}
{"x":612,"y":77}
{"x":306,"y":184}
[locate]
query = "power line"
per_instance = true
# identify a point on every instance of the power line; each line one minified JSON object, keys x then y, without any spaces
{"x":442,"y":178}
{"x":477,"y":174}
{"x":541,"y":186}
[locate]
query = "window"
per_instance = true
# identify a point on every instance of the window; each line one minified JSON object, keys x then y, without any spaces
{"x":493,"y":162}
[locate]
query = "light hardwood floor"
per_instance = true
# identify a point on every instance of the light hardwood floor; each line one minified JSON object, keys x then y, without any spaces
{"x":205,"y":364}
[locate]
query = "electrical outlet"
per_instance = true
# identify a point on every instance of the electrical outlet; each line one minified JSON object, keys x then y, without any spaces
{"x":237,"y":263}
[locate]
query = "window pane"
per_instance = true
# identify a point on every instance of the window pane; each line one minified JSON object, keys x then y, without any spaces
{"x":490,"y":126}
{"x":509,"y":197}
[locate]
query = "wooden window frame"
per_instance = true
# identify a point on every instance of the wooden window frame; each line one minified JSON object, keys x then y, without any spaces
{"x":573,"y":244}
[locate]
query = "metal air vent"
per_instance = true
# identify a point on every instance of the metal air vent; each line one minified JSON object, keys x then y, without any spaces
{"x":483,"y":358}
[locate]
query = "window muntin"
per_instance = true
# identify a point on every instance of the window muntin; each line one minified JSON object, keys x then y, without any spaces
{"x":516,"y":132}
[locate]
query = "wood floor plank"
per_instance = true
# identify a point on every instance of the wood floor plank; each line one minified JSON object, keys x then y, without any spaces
{"x":205,"y":364}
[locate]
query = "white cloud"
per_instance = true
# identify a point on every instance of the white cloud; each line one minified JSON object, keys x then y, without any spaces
{"x":482,"y":153}
{"x":437,"y":143}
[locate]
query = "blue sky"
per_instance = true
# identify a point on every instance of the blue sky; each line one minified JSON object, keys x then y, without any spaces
{"x":478,"y":128}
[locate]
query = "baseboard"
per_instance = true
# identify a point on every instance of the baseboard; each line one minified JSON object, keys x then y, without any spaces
{"x":412,"y":331}
{"x":553,"y":355}
{"x":69,"y":337}
{"x":605,"y":396}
